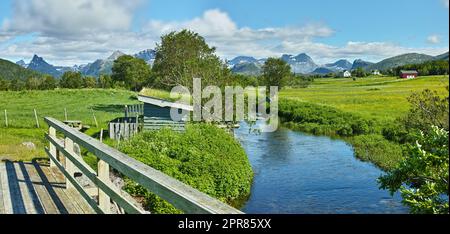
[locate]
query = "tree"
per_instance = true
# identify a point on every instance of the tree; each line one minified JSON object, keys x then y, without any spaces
{"x":72,"y":80}
{"x":4,"y":84}
{"x":32,"y":83}
{"x":90,"y":82}
{"x":359,"y":72}
{"x":185,"y":55}
{"x":427,"y":108}
{"x":105,"y":81}
{"x":17,"y":85}
{"x":276,"y":72}
{"x":133,"y":72}
{"x":422,"y":176}
{"x":48,"y":83}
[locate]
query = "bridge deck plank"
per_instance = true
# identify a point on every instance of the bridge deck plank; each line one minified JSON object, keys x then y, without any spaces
{"x":32,"y":188}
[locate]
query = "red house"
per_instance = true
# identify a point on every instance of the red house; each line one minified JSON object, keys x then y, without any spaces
{"x":408,"y":74}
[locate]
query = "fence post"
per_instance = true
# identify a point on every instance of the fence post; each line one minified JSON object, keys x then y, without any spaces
{"x":65,"y":113}
{"x":103,"y":174}
{"x":52,"y":148}
{"x":6,"y":119}
{"x":95,"y":119}
{"x":37,"y":120}
{"x":70,"y":168}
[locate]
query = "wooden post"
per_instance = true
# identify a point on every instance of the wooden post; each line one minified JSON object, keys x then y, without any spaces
{"x":52,"y":148}
{"x":101,"y":135}
{"x":65,"y":113}
{"x":70,"y":168}
{"x":104,"y":201}
{"x":6,"y":119}
{"x":37,"y":120}
{"x":126,"y":111}
{"x":95,"y":119}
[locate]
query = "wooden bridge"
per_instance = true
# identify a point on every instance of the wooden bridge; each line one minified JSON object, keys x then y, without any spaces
{"x":55,"y":188}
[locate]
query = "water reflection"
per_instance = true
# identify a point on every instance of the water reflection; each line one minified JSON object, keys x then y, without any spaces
{"x":300,"y":173}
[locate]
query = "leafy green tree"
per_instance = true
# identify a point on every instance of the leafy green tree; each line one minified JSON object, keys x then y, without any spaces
{"x":71,"y":80}
{"x":48,"y":83}
{"x":422,"y":176}
{"x":427,"y":108}
{"x":185,"y":55}
{"x":133,"y":72}
{"x":105,"y":81}
{"x":90,"y":82}
{"x":359,"y":72}
{"x":276,"y":72}
{"x":4,"y":84}
{"x":17,"y":85}
{"x":32,"y":83}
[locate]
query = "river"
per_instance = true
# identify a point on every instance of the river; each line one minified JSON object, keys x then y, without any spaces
{"x":299,"y":173}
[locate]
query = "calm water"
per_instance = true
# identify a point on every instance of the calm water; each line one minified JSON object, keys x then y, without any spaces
{"x":299,"y":173}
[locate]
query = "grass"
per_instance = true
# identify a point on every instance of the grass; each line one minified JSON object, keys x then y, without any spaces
{"x":379,"y":98}
{"x":374,"y":102}
{"x":80,"y":105}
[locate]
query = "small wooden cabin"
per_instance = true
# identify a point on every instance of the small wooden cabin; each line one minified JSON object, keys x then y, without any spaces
{"x":408,"y":74}
{"x":157,"y":113}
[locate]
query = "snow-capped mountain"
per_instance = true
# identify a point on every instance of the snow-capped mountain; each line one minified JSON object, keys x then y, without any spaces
{"x":359,"y":63}
{"x":22,"y":63}
{"x":340,"y":65}
{"x":300,"y":64}
{"x":101,"y":66}
{"x":40,"y":65}
{"x":147,"y":55}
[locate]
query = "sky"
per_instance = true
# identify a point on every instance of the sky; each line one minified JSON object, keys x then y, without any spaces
{"x":81,"y":31}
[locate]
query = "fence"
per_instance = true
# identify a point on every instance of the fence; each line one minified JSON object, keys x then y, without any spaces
{"x":173,"y":191}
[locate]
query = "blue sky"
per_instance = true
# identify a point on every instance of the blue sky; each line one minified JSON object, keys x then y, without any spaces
{"x":82,"y":31}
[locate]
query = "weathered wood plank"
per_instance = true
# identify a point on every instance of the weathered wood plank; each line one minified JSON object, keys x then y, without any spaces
{"x":16,"y":196}
{"x":41,"y":187}
{"x":30,"y":199}
{"x":104,"y":184}
{"x":60,"y":191}
{"x":175,"y":192}
{"x":76,"y":185}
{"x":2,"y":206}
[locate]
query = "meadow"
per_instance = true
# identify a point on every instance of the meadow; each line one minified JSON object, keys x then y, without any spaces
{"x":81,"y":105}
{"x":378,"y":98}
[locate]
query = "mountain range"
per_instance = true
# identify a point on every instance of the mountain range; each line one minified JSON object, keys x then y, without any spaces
{"x":300,"y":64}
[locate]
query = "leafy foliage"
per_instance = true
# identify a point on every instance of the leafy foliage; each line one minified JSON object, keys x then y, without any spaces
{"x":204,"y":157}
{"x":276,"y":72}
{"x":435,"y":67}
{"x":71,"y":80}
{"x":134,"y":73}
{"x":184,"y":55}
{"x":422,"y":176}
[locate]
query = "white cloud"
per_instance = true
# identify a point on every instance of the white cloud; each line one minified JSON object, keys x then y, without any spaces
{"x":81,"y":31}
{"x":68,"y":18}
{"x":434,"y":39}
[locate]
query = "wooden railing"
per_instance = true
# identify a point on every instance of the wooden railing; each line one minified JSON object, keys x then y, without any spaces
{"x":180,"y":195}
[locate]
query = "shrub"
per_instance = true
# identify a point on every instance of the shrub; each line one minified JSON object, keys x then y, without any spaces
{"x":204,"y":157}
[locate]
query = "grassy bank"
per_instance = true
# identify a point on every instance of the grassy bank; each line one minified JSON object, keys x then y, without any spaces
{"x":80,"y":105}
{"x":357,"y":110}
{"x":204,"y":157}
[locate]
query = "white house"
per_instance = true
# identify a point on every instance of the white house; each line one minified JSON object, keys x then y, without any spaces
{"x":376,"y":73}
{"x":347,"y":74}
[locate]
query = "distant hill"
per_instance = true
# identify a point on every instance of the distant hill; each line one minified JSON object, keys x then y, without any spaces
{"x":443,"y":56}
{"x":323,"y":71}
{"x":247,"y":69}
{"x":10,"y":70}
{"x":340,"y":65}
{"x":359,"y":63}
{"x":401,"y":60}
{"x":300,"y":64}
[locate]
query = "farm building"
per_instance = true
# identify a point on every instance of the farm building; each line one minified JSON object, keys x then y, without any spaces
{"x":347,"y":74}
{"x":157,"y":113}
{"x":408,"y":74}
{"x":376,"y":73}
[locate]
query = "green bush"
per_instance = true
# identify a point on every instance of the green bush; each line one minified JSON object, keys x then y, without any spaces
{"x":376,"y":149}
{"x":204,"y":157}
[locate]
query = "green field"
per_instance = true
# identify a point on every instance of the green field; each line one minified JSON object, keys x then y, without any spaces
{"x":383,"y":98}
{"x":80,"y":105}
